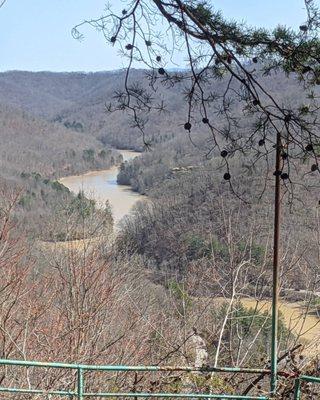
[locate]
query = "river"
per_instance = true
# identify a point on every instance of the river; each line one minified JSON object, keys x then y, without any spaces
{"x":102,"y":186}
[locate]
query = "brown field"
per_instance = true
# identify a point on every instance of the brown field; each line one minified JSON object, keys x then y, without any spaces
{"x":302,"y":322}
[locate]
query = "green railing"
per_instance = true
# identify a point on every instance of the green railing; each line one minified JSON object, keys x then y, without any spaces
{"x":298,"y":381}
{"x":80,"y":392}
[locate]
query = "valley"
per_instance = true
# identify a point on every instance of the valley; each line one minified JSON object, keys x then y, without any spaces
{"x":128,"y":248}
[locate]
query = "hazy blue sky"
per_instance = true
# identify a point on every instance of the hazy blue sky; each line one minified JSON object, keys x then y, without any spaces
{"x":35,"y":34}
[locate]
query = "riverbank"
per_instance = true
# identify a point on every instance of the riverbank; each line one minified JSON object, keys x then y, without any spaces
{"x":101,"y":186}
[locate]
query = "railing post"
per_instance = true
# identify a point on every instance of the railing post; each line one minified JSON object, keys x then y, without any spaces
{"x":80,"y":384}
{"x":297,"y":389}
{"x":275,"y":276}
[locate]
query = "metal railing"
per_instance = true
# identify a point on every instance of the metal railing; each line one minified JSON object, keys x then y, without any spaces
{"x":80,"y":392}
{"x":299,"y":380}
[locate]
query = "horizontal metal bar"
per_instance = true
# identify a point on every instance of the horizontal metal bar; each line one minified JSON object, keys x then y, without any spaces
{"x":178,"y":395}
{"x":131,"y":368}
{"x":22,"y":363}
{"x":308,"y":378}
{"x":37,"y":391}
{"x":121,"y":395}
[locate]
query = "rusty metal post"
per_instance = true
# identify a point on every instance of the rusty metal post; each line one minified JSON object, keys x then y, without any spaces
{"x":275,"y":275}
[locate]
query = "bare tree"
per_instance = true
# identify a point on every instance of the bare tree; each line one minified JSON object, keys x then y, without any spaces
{"x":242,"y":59}
{"x":283,"y":133}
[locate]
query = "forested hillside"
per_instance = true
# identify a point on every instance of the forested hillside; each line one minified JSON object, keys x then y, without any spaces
{"x":160,"y":224}
{"x":75,"y":100}
{"x":32,"y":144}
{"x":78,"y":101}
{"x":185,"y":263}
{"x":36,"y":150}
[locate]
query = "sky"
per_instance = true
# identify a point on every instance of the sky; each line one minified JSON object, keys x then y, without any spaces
{"x":35,"y":35}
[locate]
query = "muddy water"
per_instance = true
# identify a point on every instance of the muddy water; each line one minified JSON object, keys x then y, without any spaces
{"x":102,"y":186}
